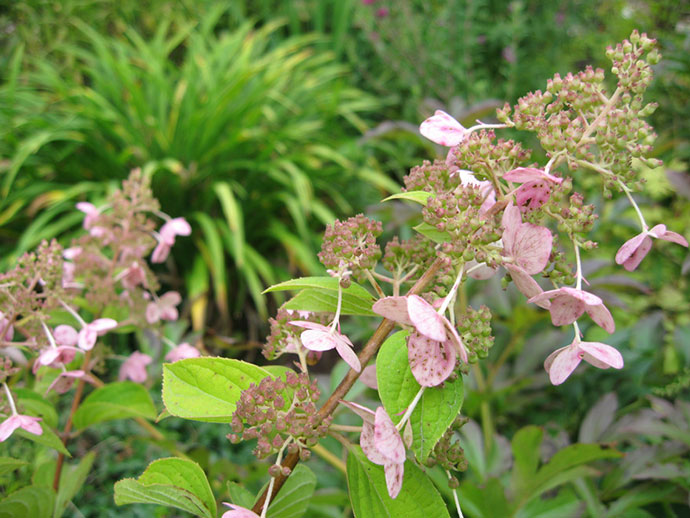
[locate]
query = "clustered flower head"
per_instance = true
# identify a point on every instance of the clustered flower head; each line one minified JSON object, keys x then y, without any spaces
{"x":350,"y":246}
{"x":474,"y":328}
{"x":276,"y":411}
{"x":448,"y":454}
{"x":285,"y":337}
{"x":632,"y":252}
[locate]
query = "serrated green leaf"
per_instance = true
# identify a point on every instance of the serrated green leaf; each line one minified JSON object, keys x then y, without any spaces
{"x":293,"y":499}
{"x":436,"y":235}
{"x":171,"y":482}
{"x":435,"y":411}
{"x":36,"y":405}
{"x":421,"y":197}
{"x":366,"y":481}
{"x":71,"y":481}
{"x":324,"y":283}
{"x":206,"y":389}
{"x":119,"y":400}
{"x":320,"y":301}
{"x":28,"y":502}
{"x":8,"y":464}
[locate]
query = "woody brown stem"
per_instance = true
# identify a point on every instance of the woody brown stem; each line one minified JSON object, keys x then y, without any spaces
{"x":369,"y":351}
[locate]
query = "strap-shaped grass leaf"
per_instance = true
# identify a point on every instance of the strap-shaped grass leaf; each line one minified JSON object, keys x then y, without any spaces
{"x":29,"y":501}
{"x":206,"y":389}
{"x":119,"y":400}
{"x":8,"y":464}
{"x":171,"y":482}
{"x":321,"y":283}
{"x":294,"y":496}
{"x":435,"y":411}
{"x":421,"y":197}
{"x":327,"y":301}
{"x":366,"y":481}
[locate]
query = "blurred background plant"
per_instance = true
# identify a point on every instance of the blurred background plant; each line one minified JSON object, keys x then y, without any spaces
{"x":261,"y":121}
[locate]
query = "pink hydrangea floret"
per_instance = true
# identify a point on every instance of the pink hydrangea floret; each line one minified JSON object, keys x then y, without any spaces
{"x":318,"y":337}
{"x":632,"y":252}
{"x":25,"y":422}
{"x":562,"y":362}
{"x":134,"y":367}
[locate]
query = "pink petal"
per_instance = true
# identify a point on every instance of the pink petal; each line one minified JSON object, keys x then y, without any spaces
{"x":366,"y":441}
{"x":393,"y":308}
{"x":532,"y":195}
{"x":86,"y":207}
{"x":673,"y":237}
{"x":602,"y":316}
{"x":368,"y":377}
{"x":153,"y":313}
{"x":456,"y":342}
{"x":630,"y":248}
{"x":425,"y":319}
{"x":511,"y":223}
{"x":103,"y":325}
{"x":176,"y":226}
{"x":527,"y":286}
{"x":443,"y":129}
{"x":532,"y":247}
{"x":160,"y":253}
{"x":431,"y":362}
{"x":171,"y":298}
{"x":365,"y":413}
{"x":657,"y":231}
{"x":482,"y":273}
{"x":346,"y":353}
{"x":317,"y":340}
{"x":602,"y":354}
{"x":566,"y":310}
{"x":394,"y":478}
{"x":387,"y":437}
{"x":527,"y":174}
{"x":87,"y":338}
{"x":563,"y":364}
{"x":310,"y":325}
{"x":182,"y":352}
{"x":30,"y":424}
{"x":238,"y":512}
{"x":584,"y":296}
{"x":66,"y":335}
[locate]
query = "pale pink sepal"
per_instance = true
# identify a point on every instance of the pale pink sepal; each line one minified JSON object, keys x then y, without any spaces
{"x":368,"y":377}
{"x":530,"y":174}
{"x":64,"y":381}
{"x":425,"y":318}
{"x":90,"y":332}
{"x":26,"y":422}
{"x":318,"y":337}
{"x":393,"y":308}
{"x":443,"y":129}
{"x":387,"y":437}
{"x":394,"y":478}
{"x":134,"y":367}
{"x":238,"y":512}
{"x":562,"y":362}
{"x":526,"y":284}
{"x":66,"y":335}
{"x":568,"y":304}
{"x":182,"y":352}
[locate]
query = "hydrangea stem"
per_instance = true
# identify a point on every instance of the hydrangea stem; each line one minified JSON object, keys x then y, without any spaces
{"x":410,"y":409}
{"x":626,"y":190}
{"x":10,"y":399}
{"x":455,"y":497}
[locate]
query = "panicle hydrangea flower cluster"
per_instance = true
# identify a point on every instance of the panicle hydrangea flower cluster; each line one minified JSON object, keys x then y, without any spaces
{"x":474,"y":328}
{"x":350,"y":246}
{"x":285,"y":338}
{"x":277,"y":411}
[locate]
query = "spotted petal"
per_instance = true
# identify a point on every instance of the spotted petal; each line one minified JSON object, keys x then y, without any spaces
{"x":443,"y":129}
{"x":562,"y":363}
{"x":601,"y":355}
{"x":431,"y":361}
{"x":425,"y":319}
{"x":393,"y":308}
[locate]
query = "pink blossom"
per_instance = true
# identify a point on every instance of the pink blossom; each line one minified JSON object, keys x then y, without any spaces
{"x":531,"y":174}
{"x":66,"y":335}
{"x":181,"y":352}
{"x":91,"y":213}
{"x":443,"y":129}
{"x":6,"y":328}
{"x":562,"y":362}
{"x":632,"y":252}
{"x":90,"y":332}
{"x":133,"y":276}
{"x":134,"y":367}
{"x":163,"y":308}
{"x":535,"y":189}
{"x":524,"y":244}
{"x":238,"y":512}
{"x":64,"y":381}
{"x":368,"y":377}
{"x":318,"y":337}
{"x":382,"y":12}
{"x":55,"y":356}
{"x":28,"y":423}
{"x":166,"y":238}
{"x":434,"y":345}
{"x":568,"y":304}
{"x":381,"y":443}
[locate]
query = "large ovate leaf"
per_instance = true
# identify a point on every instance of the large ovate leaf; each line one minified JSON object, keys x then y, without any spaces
{"x":119,"y":400}
{"x":206,"y":389}
{"x":293,"y":499}
{"x":321,"y":301}
{"x":28,"y":502}
{"x":8,"y":464}
{"x":435,"y":411}
{"x":72,"y":479}
{"x":421,"y":197}
{"x":320,"y":283}
{"x":171,"y":482}
{"x":366,"y":481}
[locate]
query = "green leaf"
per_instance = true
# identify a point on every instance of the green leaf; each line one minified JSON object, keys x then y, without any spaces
{"x":435,"y":411}
{"x":233,"y":215}
{"x":71,"y":481}
{"x":323,"y":283}
{"x":421,"y":197}
{"x":47,"y":438}
{"x":369,"y":495}
{"x":240,"y":495}
{"x":8,"y":464}
{"x":525,"y":446}
{"x":206,"y":389}
{"x":36,"y":405}
{"x":327,"y":301}
{"x":488,"y":501}
{"x":436,"y":235}
{"x":28,"y":502}
{"x":293,"y":499}
{"x":171,"y":482}
{"x":119,"y":400}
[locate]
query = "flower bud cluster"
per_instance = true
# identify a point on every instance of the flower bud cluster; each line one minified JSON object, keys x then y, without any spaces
{"x":401,"y":256}
{"x":487,"y":157}
{"x":577,"y":217}
{"x":458,"y":214}
{"x":7,"y":370}
{"x":277,"y":411}
{"x":351,"y":246}
{"x":285,"y":338}
{"x":562,"y":272}
{"x":448,"y":453}
{"x":474,"y":327}
{"x":436,"y":178}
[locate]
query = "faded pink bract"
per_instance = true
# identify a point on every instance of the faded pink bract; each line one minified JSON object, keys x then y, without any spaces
{"x":561,"y":363}
{"x":443,"y":129}
{"x":632,"y":252}
{"x":318,"y":337}
{"x":238,"y":512}
{"x":25,"y":422}
{"x":134,"y":367}
{"x":568,"y":304}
